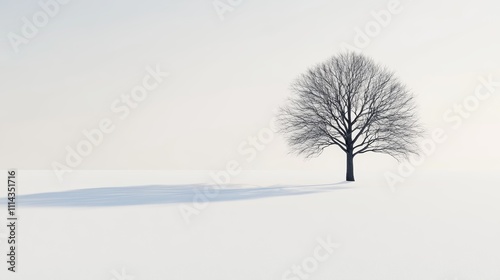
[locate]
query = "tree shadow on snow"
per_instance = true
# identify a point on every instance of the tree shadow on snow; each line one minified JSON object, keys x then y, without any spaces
{"x":164,"y":194}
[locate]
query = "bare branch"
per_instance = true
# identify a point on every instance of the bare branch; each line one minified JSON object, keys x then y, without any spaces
{"x":351,"y":102}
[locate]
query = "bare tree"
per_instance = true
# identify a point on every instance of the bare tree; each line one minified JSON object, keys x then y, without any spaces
{"x":351,"y":102}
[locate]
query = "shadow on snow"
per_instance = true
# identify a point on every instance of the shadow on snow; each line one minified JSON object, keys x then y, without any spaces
{"x":162,"y":194}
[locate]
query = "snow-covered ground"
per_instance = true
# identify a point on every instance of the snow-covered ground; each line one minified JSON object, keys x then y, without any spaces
{"x":436,"y":225}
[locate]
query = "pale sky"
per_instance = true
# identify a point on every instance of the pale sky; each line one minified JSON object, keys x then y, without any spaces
{"x":228,"y":76}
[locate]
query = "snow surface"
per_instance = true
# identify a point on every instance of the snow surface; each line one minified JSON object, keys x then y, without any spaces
{"x":433,"y":226}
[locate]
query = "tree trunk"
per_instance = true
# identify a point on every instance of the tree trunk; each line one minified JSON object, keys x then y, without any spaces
{"x":350,"y":166}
